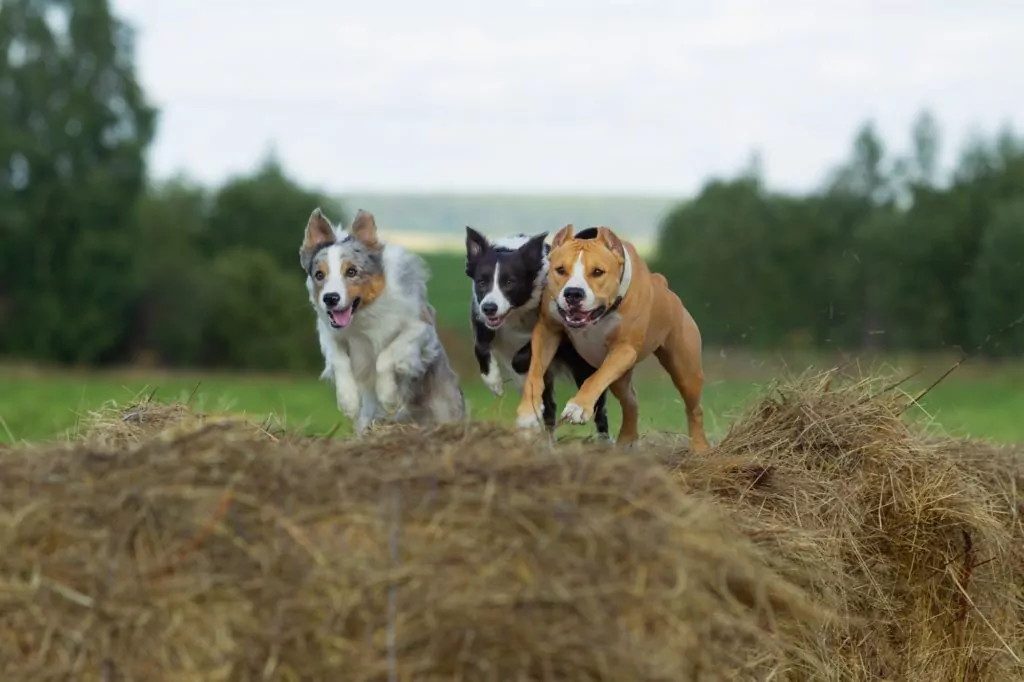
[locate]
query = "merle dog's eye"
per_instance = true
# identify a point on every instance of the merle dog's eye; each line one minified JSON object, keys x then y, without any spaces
{"x":351,"y":272}
{"x":319,"y":275}
{"x":597,"y":272}
{"x":560,"y":270}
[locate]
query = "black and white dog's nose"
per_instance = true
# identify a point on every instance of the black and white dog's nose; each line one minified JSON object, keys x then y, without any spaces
{"x":573,"y":295}
{"x":490,"y":309}
{"x":332,"y":299}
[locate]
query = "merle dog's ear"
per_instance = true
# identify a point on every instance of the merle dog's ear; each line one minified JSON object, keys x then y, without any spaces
{"x":364,"y":229}
{"x":476,"y":244}
{"x":318,"y":232}
{"x":534,"y":248}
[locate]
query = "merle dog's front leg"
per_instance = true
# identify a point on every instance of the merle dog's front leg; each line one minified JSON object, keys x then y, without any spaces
{"x":489,"y":369}
{"x":521,"y":365}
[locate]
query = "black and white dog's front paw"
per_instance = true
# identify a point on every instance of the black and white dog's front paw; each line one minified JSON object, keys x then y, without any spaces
{"x":493,"y":379}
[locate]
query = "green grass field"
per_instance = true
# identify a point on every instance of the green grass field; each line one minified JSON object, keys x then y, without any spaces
{"x":34,"y":405}
{"x":976,"y":400}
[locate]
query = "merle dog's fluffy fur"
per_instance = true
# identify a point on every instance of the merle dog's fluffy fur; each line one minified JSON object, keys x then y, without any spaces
{"x":508,"y":276}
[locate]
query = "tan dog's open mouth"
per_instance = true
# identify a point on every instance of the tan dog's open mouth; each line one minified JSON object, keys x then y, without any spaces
{"x":578,"y":317}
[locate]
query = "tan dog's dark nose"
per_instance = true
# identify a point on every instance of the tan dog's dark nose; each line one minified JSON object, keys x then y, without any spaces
{"x":573,"y":295}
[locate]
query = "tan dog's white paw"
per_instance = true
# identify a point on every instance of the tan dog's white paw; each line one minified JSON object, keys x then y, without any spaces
{"x":493,"y":379}
{"x":575,"y":414}
{"x":528,"y":422}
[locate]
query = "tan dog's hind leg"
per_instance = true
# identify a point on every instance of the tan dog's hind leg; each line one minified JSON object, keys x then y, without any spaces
{"x":543,"y":345}
{"x":689,"y":381}
{"x":623,"y":390}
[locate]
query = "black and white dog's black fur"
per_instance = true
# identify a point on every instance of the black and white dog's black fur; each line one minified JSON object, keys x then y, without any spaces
{"x":508,"y":276}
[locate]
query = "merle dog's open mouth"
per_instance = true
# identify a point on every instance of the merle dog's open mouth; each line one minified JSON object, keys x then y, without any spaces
{"x":342,"y":317}
{"x":580,"y":318}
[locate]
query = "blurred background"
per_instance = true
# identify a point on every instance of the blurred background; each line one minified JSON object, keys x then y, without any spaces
{"x":815,"y":185}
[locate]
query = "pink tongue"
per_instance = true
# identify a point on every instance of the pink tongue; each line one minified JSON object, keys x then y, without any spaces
{"x":342,"y":317}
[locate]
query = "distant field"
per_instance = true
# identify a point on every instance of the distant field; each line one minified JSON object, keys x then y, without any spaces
{"x":438,"y":221}
{"x":982,"y":402}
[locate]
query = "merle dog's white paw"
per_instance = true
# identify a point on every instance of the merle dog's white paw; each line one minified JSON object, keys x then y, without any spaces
{"x":387,"y":393}
{"x":493,"y":379}
{"x":349,"y":402}
{"x":574,"y":414}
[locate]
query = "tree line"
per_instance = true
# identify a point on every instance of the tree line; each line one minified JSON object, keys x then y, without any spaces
{"x":887,"y":254}
{"x":101,"y":265}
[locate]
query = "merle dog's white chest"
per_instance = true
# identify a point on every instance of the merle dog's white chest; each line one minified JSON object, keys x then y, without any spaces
{"x":592,"y":342}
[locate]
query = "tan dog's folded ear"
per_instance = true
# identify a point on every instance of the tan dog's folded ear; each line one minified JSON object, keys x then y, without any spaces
{"x":562,"y":236}
{"x":364,"y":228}
{"x":613,"y":243}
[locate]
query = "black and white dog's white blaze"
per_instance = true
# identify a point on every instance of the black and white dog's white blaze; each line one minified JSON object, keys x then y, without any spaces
{"x":508,"y":276}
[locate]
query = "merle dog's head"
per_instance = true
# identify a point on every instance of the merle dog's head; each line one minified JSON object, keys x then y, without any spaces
{"x":507,"y":274}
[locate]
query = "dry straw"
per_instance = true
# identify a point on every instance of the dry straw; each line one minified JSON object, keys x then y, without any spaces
{"x":822,"y":539}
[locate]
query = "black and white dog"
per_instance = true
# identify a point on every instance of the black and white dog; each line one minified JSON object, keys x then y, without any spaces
{"x":508,"y":276}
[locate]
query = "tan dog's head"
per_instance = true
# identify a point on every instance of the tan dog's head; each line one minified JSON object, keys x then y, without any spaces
{"x":588,"y":273}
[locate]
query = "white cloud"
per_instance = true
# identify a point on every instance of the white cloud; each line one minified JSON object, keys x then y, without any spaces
{"x":570,"y":95}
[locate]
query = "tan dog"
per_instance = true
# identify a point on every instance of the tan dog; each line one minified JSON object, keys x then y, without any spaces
{"x":616,"y":312}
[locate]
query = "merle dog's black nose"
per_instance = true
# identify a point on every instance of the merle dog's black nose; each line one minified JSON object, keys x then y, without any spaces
{"x":489,"y":309}
{"x":332,"y":299}
{"x":573,"y":295}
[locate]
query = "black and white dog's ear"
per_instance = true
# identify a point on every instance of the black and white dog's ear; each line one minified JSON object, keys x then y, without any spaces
{"x":476,"y":244}
{"x":534,"y":248}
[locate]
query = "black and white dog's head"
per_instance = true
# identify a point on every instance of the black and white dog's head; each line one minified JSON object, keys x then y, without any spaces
{"x":508,"y":274}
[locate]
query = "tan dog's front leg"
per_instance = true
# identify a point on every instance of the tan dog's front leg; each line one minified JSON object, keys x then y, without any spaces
{"x":620,"y":359}
{"x":543,"y":345}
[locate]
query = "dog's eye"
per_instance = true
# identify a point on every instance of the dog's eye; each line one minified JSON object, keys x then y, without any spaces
{"x":319,"y":275}
{"x":483,"y":282}
{"x":508,"y":281}
{"x":560,"y":270}
{"x":597,"y":272}
{"x":351,"y":272}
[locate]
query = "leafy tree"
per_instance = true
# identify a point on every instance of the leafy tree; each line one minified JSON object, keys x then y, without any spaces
{"x":172,"y":279}
{"x":260,"y":315}
{"x":266,"y":210}
{"x":996,"y":285}
{"x":74,"y":127}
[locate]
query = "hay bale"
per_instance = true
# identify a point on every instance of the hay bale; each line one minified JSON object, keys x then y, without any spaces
{"x":113,"y":426}
{"x":456,"y":553}
{"x":915,"y":548}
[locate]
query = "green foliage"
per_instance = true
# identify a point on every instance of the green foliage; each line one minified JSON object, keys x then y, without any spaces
{"x":260,"y":315}
{"x":265,"y":210}
{"x":881,"y":257}
{"x":74,"y":126}
{"x":99,"y":266}
{"x":996,"y":285}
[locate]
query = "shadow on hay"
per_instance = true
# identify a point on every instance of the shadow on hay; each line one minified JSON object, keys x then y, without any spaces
{"x":822,"y":539}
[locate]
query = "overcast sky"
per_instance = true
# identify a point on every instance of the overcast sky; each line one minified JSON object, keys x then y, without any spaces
{"x":648,"y":96}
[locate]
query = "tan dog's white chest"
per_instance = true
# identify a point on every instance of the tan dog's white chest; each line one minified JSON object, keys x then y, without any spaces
{"x":592,"y":342}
